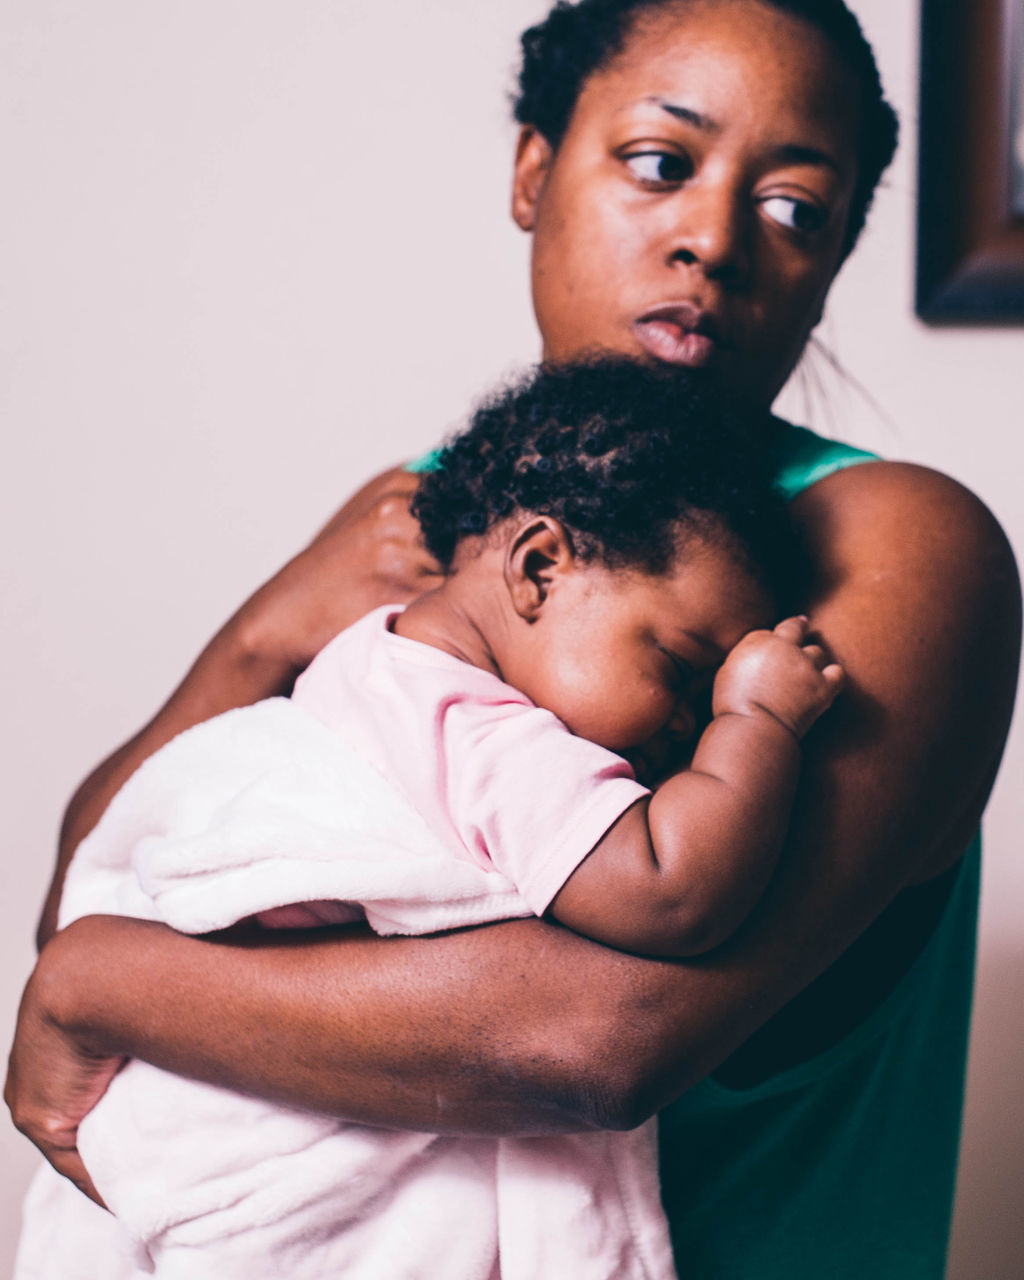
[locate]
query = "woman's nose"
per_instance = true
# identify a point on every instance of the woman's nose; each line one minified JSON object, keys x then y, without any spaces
{"x":712,"y":233}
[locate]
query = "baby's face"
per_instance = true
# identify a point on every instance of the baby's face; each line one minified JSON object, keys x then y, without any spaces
{"x":623,"y":656}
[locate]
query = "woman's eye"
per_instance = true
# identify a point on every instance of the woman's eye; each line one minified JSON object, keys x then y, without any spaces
{"x":659,"y":167}
{"x":796,"y":214}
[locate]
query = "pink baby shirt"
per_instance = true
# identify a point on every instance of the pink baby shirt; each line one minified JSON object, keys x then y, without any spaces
{"x":497,"y":778}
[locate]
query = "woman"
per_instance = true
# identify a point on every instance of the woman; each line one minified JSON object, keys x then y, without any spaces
{"x":691,"y":206}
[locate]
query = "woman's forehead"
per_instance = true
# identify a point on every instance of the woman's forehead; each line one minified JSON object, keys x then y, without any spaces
{"x":722,"y":60}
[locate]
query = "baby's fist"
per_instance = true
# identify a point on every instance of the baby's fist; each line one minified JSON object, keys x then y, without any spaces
{"x":776,"y":673}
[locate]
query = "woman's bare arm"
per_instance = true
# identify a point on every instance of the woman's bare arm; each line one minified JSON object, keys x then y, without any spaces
{"x":524,"y":1026}
{"x":367,"y":555}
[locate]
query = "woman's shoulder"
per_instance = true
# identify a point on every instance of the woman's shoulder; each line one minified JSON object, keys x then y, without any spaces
{"x":901,"y":510}
{"x":851,"y":498}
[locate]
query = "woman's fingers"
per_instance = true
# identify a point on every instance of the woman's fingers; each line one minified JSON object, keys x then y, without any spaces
{"x":68,"y":1163}
{"x":370,"y":554}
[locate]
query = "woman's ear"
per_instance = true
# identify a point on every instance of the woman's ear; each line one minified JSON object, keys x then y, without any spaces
{"x":533,"y":164}
{"x":538,"y":554}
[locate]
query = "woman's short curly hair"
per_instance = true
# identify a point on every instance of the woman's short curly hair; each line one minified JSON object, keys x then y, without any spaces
{"x":575,"y":40}
{"x":630,"y":459}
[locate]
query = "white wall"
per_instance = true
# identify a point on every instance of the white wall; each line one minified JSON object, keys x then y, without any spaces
{"x":258,"y":250}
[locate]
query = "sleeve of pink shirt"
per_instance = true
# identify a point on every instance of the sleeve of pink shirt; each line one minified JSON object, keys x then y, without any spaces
{"x":528,"y":794}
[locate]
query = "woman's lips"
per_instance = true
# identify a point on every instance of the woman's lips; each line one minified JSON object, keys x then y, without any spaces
{"x":680,"y":334}
{"x":672,"y":344}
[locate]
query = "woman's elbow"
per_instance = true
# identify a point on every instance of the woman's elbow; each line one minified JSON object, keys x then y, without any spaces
{"x":600,"y":1067}
{"x":593,"y":1095}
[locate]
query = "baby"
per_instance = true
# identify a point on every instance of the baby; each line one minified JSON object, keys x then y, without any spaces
{"x":612,"y":541}
{"x":600,"y":567}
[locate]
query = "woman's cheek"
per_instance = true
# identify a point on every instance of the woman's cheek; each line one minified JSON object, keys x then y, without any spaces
{"x":581,"y":283}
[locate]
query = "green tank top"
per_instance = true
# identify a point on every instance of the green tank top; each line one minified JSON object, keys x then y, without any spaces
{"x":841,"y":1168}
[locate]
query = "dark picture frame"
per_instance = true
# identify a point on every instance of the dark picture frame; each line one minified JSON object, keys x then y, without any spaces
{"x":970,"y":209}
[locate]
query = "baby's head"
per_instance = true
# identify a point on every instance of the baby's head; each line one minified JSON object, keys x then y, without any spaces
{"x":632,"y":515}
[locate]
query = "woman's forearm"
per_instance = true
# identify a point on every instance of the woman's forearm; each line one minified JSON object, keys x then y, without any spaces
{"x":520,"y":1027}
{"x":403,"y":1032}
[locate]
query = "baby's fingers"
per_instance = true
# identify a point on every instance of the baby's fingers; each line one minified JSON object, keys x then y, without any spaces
{"x":834,"y":677}
{"x":792,"y":630}
{"x":815,"y":654}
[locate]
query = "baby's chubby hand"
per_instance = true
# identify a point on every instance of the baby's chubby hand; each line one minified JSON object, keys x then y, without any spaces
{"x":776,"y":673}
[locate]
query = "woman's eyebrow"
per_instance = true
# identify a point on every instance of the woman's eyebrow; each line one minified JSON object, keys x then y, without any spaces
{"x":696,"y":118}
{"x":789,"y":152}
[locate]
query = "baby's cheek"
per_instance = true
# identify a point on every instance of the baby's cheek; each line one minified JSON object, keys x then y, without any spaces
{"x":619,"y":716}
{"x":569,"y":691}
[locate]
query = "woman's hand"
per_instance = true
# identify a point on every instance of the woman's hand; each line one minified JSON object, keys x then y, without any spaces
{"x":369,"y":554}
{"x":53,"y":1081}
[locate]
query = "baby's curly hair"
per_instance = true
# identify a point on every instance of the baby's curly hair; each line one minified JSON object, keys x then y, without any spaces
{"x":629,"y":458}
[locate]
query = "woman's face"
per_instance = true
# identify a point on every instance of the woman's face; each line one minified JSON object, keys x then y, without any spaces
{"x":695,"y":210}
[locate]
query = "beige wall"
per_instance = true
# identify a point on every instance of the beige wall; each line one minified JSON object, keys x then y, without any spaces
{"x":257,"y":251}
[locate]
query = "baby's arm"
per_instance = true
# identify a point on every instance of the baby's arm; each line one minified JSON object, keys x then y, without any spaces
{"x":679,"y":872}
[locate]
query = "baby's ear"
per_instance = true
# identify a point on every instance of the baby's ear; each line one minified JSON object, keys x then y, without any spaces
{"x":538,"y":554}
